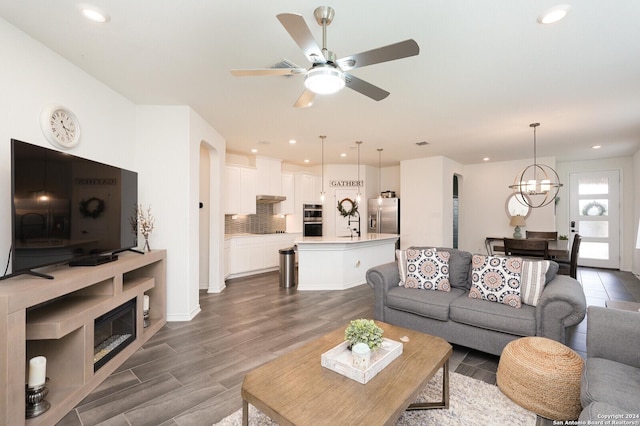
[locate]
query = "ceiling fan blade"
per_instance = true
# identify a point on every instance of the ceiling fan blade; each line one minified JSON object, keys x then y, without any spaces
{"x":367,"y":89}
{"x":269,"y":71}
{"x":391,"y":52}
{"x":299,"y":31}
{"x":305,"y":100}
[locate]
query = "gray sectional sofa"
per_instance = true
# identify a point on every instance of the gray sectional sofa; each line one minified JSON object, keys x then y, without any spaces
{"x":478,"y":324}
{"x":610,"y":385}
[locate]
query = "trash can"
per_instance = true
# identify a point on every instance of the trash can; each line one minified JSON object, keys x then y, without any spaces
{"x":287,"y":267}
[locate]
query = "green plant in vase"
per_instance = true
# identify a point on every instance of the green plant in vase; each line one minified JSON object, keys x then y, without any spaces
{"x":364,"y":331}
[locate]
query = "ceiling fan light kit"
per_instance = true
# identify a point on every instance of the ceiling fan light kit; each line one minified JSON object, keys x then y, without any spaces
{"x":327,"y":74}
{"x":324,"y":80}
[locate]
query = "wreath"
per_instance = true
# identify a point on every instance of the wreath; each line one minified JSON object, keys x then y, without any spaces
{"x":600,"y":209}
{"x":93,"y":207}
{"x":352,"y":210}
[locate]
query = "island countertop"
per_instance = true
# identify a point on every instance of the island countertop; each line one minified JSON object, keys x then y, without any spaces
{"x":338,"y":263}
{"x":346,"y":240}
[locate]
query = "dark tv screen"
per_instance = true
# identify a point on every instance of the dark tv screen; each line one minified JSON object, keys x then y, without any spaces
{"x":66,"y":208}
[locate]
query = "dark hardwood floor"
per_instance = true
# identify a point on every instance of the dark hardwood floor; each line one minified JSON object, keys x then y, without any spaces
{"x":190,"y":372}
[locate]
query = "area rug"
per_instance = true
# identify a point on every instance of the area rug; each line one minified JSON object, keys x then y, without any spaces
{"x":471,"y":402}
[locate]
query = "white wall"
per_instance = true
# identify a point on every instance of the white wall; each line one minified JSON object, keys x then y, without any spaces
{"x":202,"y":134}
{"x":636,"y":214}
{"x":204,"y":217}
{"x":628,"y":200}
{"x":161,"y":143}
{"x":170,"y":180}
{"x":33,"y":76}
{"x":421,"y":212}
{"x":483,"y":192}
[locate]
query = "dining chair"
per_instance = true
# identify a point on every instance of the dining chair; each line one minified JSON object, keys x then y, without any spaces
{"x":570,"y":266}
{"x":526,"y":248}
{"x":545,"y":235}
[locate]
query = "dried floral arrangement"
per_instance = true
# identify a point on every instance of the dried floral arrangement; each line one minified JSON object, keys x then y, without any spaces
{"x":144,"y":222}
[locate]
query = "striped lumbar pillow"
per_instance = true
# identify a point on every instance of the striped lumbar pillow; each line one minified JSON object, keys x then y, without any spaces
{"x":533,"y":280}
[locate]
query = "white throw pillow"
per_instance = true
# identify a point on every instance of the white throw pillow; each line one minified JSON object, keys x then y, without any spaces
{"x":401,"y":258}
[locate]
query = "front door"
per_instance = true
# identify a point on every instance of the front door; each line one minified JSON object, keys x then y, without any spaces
{"x":595,"y":215}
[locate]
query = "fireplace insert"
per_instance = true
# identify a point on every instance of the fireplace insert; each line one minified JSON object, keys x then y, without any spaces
{"x":113,"y":331}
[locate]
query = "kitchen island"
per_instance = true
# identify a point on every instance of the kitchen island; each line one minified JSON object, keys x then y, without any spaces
{"x":338,"y":263}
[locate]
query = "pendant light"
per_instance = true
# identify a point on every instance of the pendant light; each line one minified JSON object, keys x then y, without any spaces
{"x":539,"y":181}
{"x":358,"y":197}
{"x":379,"y":176}
{"x":322,"y":138}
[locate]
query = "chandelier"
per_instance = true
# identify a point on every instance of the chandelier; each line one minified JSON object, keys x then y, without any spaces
{"x":539,"y":181}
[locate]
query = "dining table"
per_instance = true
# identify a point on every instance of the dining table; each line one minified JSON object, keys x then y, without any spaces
{"x":558,"y":249}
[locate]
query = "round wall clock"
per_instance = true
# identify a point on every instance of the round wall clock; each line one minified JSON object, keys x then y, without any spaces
{"x":60,"y":126}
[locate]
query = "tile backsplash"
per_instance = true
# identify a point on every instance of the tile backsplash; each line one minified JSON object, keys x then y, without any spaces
{"x":263,"y":222}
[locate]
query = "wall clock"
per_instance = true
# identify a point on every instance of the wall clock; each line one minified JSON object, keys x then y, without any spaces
{"x":60,"y":126}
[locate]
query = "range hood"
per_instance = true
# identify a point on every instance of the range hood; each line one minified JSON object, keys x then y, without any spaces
{"x":269,"y":199}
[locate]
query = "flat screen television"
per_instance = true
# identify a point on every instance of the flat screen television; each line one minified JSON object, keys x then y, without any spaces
{"x":67,"y":209}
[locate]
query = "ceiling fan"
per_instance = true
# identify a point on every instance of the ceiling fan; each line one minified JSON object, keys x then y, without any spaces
{"x":328,"y":74}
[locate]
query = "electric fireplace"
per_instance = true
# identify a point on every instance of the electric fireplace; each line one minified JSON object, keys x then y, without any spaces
{"x":113,"y":331}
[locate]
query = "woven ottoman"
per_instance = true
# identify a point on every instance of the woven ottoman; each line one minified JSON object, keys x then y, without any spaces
{"x":543,"y":376}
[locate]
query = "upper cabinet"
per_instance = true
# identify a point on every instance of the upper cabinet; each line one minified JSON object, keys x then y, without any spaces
{"x":241,"y":190}
{"x":288,"y":190}
{"x":269,"y":179}
{"x":307,"y":189}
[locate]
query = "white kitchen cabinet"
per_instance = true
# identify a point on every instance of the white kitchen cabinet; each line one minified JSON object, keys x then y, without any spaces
{"x":308,"y":188}
{"x":269,"y":176}
{"x":248,"y":191}
{"x":273,"y":244}
{"x":252,"y":254}
{"x":241,"y":187}
{"x":227,"y":257}
{"x":246,"y":254}
{"x":288,"y":190}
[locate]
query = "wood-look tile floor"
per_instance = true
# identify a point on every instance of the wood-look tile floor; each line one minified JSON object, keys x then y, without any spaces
{"x":190,"y":373}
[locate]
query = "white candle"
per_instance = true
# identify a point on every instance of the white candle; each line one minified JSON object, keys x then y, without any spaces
{"x":145,"y":304}
{"x":37,"y":371}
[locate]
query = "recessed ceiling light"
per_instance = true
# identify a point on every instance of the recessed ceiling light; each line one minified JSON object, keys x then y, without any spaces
{"x":254,"y":150}
{"x":486,"y":159}
{"x":306,"y":161}
{"x":596,"y":146}
{"x":94,"y":14}
{"x":344,"y":154}
{"x":554,"y":14}
{"x":292,"y":141}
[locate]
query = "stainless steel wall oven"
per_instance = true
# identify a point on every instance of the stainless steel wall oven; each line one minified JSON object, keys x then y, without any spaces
{"x":312,"y":220}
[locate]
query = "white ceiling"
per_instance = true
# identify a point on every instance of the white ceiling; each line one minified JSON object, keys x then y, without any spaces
{"x":486,"y":69}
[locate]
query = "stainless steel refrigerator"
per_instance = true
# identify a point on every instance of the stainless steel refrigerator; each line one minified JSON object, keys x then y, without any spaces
{"x":384,"y":218}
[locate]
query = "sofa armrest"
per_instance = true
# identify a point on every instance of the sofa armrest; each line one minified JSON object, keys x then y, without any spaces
{"x":561,"y":305}
{"x":381,"y":278}
{"x":613,"y":334}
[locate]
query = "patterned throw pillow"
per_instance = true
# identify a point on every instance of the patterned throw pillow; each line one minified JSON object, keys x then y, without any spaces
{"x":401,"y":258}
{"x":497,"y":279}
{"x":428,"y":269}
{"x":533,"y":280}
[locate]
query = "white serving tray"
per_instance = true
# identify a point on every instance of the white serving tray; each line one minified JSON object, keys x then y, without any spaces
{"x":340,"y":360}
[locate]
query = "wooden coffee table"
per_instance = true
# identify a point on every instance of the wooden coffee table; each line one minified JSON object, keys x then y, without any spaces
{"x":294,"y":389}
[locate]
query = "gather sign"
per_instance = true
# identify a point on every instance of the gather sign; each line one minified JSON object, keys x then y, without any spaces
{"x":345,"y":183}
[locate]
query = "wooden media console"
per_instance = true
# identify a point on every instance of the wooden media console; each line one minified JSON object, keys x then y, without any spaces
{"x":55,"y":318}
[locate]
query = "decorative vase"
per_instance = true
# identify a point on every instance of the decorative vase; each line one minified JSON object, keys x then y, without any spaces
{"x":361,"y":356}
{"x":146,"y":247}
